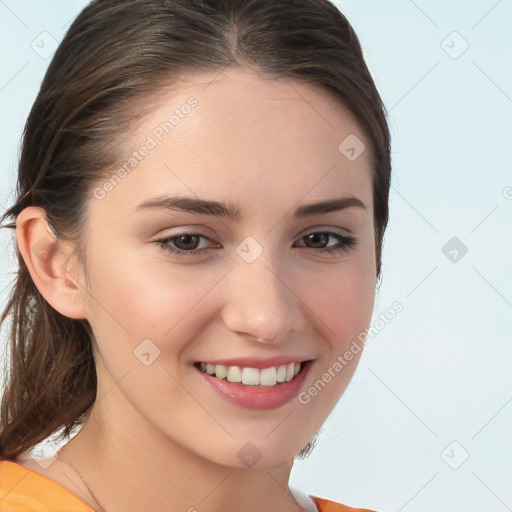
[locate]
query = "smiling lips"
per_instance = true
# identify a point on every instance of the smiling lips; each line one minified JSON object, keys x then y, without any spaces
{"x":256,"y":383}
{"x":248,"y":376}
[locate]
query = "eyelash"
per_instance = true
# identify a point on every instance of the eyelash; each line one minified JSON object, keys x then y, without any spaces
{"x":347,"y":243}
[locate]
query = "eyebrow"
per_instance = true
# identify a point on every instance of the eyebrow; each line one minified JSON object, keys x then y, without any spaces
{"x":231,"y":211}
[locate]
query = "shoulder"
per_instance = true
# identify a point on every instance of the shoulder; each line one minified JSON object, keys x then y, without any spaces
{"x":23,"y":488}
{"x":316,"y":504}
{"x":324,"y":505}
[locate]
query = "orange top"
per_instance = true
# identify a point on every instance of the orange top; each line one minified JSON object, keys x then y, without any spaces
{"x":25,"y":490}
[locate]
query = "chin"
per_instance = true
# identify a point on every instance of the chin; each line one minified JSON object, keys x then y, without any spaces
{"x":257,"y":452}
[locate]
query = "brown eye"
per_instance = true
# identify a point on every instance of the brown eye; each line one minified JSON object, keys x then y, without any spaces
{"x":185,"y":244}
{"x":319,"y":239}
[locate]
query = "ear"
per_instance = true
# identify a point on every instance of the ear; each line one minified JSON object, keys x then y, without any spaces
{"x":47,"y":260}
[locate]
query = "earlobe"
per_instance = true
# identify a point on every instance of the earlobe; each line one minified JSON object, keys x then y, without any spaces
{"x":47,"y":261}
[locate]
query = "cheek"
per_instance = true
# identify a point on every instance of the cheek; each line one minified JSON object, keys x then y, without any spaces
{"x":133,"y":301}
{"x":143,"y":316}
{"x":341,"y":298}
{"x":143,"y":295}
{"x":342,"y":303}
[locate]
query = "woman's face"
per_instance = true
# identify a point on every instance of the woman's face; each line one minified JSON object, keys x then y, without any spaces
{"x":254,"y":287}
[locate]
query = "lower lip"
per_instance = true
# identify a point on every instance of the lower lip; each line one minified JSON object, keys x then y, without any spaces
{"x":257,"y":397}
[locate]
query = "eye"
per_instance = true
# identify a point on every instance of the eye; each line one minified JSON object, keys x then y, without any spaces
{"x":188,"y":244}
{"x":184,"y":244}
{"x":344,"y":242}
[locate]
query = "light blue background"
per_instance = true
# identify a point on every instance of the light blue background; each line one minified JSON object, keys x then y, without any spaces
{"x":441,"y":370}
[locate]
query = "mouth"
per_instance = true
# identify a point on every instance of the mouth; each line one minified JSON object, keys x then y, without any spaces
{"x":248,"y":376}
{"x":266,"y":387}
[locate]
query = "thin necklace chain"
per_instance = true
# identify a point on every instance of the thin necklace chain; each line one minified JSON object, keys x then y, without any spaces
{"x":101,"y":509}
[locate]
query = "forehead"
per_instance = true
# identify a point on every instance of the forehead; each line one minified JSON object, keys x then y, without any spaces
{"x":239,"y":135}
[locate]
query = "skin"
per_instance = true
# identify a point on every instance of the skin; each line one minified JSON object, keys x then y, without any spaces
{"x":159,"y":439}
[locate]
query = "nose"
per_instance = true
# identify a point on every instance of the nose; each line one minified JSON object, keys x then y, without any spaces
{"x":262,"y":302}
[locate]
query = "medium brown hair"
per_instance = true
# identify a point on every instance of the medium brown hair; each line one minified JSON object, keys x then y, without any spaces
{"x":116,"y":54}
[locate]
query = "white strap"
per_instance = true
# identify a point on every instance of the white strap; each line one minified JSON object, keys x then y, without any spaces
{"x":307,"y":504}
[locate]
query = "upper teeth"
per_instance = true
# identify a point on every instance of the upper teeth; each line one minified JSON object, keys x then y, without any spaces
{"x":253,"y":376}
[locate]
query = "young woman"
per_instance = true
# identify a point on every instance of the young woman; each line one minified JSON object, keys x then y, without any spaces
{"x":202,"y":199}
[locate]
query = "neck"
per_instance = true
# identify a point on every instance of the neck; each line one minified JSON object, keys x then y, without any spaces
{"x":157,"y":474}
